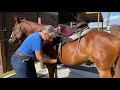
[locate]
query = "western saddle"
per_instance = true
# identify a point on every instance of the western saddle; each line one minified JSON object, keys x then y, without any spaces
{"x":70,"y":34}
{"x":67,"y":32}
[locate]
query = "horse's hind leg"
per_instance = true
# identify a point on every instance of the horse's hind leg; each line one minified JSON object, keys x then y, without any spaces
{"x":105,"y":73}
{"x":112,"y":72}
{"x":117,"y":68}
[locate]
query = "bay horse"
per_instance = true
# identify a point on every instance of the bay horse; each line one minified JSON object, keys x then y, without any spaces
{"x":21,"y":27}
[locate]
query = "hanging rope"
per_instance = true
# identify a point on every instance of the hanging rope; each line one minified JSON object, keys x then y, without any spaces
{"x":3,"y":40}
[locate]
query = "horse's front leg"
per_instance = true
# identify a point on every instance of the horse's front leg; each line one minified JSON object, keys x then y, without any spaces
{"x":105,"y":73}
{"x":51,"y":69}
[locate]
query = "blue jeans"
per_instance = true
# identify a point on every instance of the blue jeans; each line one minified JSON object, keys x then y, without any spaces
{"x":24,"y":68}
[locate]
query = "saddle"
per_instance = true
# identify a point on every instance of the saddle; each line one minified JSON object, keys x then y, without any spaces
{"x":71,"y":34}
{"x":65,"y":31}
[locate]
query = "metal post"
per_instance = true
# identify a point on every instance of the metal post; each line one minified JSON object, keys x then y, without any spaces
{"x":102,"y":25}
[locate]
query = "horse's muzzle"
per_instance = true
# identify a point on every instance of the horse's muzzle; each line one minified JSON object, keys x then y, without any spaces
{"x":11,"y":42}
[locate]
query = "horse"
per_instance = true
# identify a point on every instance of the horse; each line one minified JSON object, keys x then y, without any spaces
{"x":101,"y":48}
{"x":23,"y":26}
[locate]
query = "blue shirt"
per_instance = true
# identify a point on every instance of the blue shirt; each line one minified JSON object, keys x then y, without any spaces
{"x":32,"y":43}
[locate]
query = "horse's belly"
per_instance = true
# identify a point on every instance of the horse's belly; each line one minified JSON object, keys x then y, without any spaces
{"x":71,"y":54}
{"x":72,"y":60}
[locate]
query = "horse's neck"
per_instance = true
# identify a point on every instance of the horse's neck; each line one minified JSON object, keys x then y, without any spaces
{"x":32,"y":26}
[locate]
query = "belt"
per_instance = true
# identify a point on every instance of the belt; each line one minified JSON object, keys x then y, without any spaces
{"x":22,"y":55}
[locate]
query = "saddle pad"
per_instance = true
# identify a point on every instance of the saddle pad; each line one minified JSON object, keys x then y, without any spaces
{"x":77,"y":35}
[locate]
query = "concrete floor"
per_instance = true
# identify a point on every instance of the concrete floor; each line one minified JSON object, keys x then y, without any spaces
{"x":63,"y":72}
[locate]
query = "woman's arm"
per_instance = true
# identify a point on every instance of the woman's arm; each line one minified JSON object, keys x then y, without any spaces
{"x":44,"y":58}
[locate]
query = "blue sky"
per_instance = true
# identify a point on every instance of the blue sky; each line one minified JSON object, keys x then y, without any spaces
{"x":114,"y":19}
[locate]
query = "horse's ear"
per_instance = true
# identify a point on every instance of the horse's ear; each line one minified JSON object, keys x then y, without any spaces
{"x":15,"y":18}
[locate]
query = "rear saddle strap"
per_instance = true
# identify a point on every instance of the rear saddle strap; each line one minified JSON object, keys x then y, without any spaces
{"x":22,"y":55}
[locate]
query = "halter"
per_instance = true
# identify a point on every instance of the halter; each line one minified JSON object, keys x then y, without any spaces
{"x":20,"y":30}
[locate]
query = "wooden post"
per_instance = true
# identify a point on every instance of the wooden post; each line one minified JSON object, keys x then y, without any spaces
{"x":42,"y":66}
{"x":3,"y":66}
{"x":71,"y":24}
{"x":39,"y":20}
{"x":98,"y":21}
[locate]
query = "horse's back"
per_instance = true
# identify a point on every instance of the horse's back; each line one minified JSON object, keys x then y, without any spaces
{"x":101,"y":35}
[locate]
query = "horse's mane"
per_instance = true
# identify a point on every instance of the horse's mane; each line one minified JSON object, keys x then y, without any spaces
{"x":33,"y":23}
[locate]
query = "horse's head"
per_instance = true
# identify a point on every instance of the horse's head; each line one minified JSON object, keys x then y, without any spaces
{"x":17,"y":31}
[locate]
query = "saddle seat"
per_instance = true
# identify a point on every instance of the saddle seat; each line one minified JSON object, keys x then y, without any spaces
{"x":67,"y":32}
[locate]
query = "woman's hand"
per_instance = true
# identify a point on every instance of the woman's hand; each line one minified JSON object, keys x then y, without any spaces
{"x":53,"y":61}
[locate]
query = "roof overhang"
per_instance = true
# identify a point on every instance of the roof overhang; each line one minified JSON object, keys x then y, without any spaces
{"x":65,"y":17}
{"x":80,"y":16}
{"x":90,"y":16}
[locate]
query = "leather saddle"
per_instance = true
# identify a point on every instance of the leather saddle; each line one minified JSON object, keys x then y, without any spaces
{"x":66,"y":31}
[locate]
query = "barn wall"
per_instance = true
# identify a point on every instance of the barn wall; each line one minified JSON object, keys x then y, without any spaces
{"x":47,"y":18}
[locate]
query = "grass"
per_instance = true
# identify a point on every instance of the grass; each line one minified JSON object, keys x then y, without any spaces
{"x":7,"y":73}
